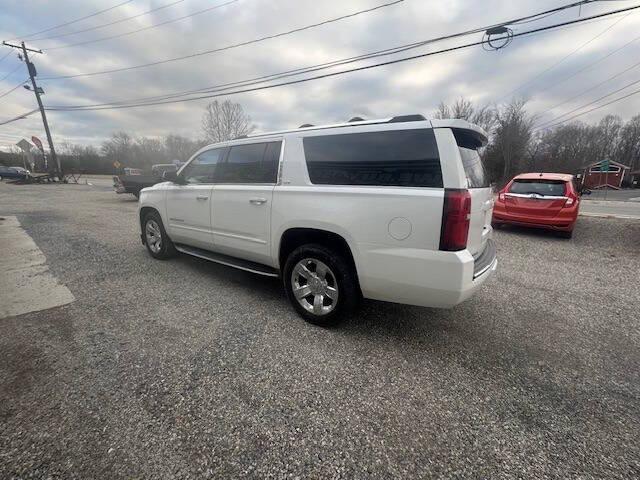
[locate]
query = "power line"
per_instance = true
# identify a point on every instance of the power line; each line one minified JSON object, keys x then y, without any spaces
{"x":601,"y":59}
{"x":19,"y":117}
{"x":10,"y":73}
{"x":5,"y":56}
{"x":332,"y":74}
{"x":309,"y":69}
{"x":137,"y":30}
{"x":88,"y":42}
{"x":536,"y":77}
{"x":228,"y":47}
{"x":11,"y":90}
{"x":590,"y":103}
{"x":73,"y":21}
{"x":635,"y":92}
{"x":635,"y":65}
{"x":115,"y":22}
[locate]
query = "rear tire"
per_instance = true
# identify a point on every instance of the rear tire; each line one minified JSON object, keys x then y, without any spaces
{"x":158,"y":243}
{"x":568,"y":234}
{"x":328,"y":280}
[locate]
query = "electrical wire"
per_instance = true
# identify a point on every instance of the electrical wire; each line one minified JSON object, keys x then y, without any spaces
{"x":590,"y":103}
{"x":5,"y":55}
{"x":228,"y":47}
{"x":19,"y":117}
{"x":166,"y":22}
{"x":635,"y":92}
{"x":10,"y":73}
{"x":590,"y":89}
{"x":72,"y":21}
{"x":13,"y":89}
{"x":299,"y":71}
{"x":332,"y":74}
{"x":601,"y":59}
{"x":573,"y":52}
{"x":115,"y":22}
{"x":88,"y":42}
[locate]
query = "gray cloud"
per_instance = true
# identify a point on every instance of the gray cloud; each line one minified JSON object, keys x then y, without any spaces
{"x":411,"y":87}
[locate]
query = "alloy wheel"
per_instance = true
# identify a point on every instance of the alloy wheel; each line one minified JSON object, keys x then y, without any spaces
{"x":314,"y":286}
{"x":153,"y":236}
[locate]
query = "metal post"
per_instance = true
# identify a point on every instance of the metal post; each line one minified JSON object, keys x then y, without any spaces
{"x":42,"y":112}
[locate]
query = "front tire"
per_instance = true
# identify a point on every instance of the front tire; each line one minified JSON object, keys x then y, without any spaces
{"x":321,"y":284}
{"x":158,"y":243}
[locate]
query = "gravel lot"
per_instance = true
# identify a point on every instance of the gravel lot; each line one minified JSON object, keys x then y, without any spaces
{"x":189,"y":369}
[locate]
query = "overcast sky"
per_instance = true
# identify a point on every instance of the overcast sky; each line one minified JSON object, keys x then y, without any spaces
{"x":412,"y":87}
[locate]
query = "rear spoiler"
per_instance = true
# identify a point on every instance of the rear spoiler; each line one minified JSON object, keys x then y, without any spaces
{"x":464,"y":129}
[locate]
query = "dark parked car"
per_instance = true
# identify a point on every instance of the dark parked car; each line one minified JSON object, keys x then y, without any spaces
{"x":134,"y":183}
{"x":13,"y":173}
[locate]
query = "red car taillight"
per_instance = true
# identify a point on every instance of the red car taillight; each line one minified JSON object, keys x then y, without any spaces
{"x":455,"y":220}
{"x":501,"y":197}
{"x":570,"y":201}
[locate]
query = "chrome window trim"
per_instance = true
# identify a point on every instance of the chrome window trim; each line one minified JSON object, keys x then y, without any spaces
{"x":536,"y":196}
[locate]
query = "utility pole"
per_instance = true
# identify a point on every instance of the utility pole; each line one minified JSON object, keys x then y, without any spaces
{"x":37,"y":90}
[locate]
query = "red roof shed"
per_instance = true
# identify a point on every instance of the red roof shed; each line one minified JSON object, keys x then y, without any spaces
{"x":595,"y":176}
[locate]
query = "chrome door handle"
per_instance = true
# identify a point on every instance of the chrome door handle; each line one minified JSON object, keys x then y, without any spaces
{"x":258,"y":201}
{"x":202,"y":197}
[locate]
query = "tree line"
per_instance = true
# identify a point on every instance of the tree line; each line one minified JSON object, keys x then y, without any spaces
{"x":515,"y":144}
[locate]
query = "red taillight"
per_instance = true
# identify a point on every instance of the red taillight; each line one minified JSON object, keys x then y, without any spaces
{"x":501,"y":197}
{"x":570,"y":201}
{"x":455,"y":220}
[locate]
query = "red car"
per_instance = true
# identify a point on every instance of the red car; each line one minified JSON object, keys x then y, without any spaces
{"x":539,"y":200}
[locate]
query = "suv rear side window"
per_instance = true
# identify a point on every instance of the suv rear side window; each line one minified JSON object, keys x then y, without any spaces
{"x":471,"y":160}
{"x":539,"y":187}
{"x":251,"y":163}
{"x":401,"y":158}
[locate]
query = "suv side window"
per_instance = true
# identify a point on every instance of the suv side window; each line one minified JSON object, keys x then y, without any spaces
{"x":251,"y":163}
{"x":402,"y":158}
{"x":202,"y":168}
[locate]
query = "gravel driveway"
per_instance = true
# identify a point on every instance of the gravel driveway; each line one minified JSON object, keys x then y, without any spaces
{"x":186,"y":369}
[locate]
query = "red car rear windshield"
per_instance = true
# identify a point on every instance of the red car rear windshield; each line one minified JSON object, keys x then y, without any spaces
{"x":540,"y":187}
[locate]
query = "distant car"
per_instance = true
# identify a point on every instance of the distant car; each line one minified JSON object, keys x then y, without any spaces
{"x":539,"y":200}
{"x":135,"y":180}
{"x":13,"y":172}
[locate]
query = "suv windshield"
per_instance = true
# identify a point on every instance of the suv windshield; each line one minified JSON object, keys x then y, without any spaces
{"x":539,"y":187}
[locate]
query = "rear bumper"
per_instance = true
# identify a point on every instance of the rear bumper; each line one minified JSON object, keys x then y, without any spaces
{"x":424,"y":278}
{"x":565,"y":221}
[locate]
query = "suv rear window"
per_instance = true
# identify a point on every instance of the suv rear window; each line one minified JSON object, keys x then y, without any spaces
{"x":400,"y":158}
{"x":539,"y":187}
{"x":471,"y":160}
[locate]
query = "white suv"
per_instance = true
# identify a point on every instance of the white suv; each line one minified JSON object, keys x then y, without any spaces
{"x":397,"y":209}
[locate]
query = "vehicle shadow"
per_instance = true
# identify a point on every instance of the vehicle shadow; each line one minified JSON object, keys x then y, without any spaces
{"x":534,"y":232}
{"x":382,"y":315}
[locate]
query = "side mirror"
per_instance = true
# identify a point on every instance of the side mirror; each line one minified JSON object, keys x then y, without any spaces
{"x":172,"y":176}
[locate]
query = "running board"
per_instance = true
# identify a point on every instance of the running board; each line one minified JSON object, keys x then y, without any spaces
{"x":229,"y":261}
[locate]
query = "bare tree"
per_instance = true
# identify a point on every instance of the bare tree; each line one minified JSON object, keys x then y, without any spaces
{"x":181,"y":148}
{"x":628,"y":148}
{"x":225,"y":121}
{"x":119,"y":147}
{"x":513,"y":132}
{"x":464,"y":109}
